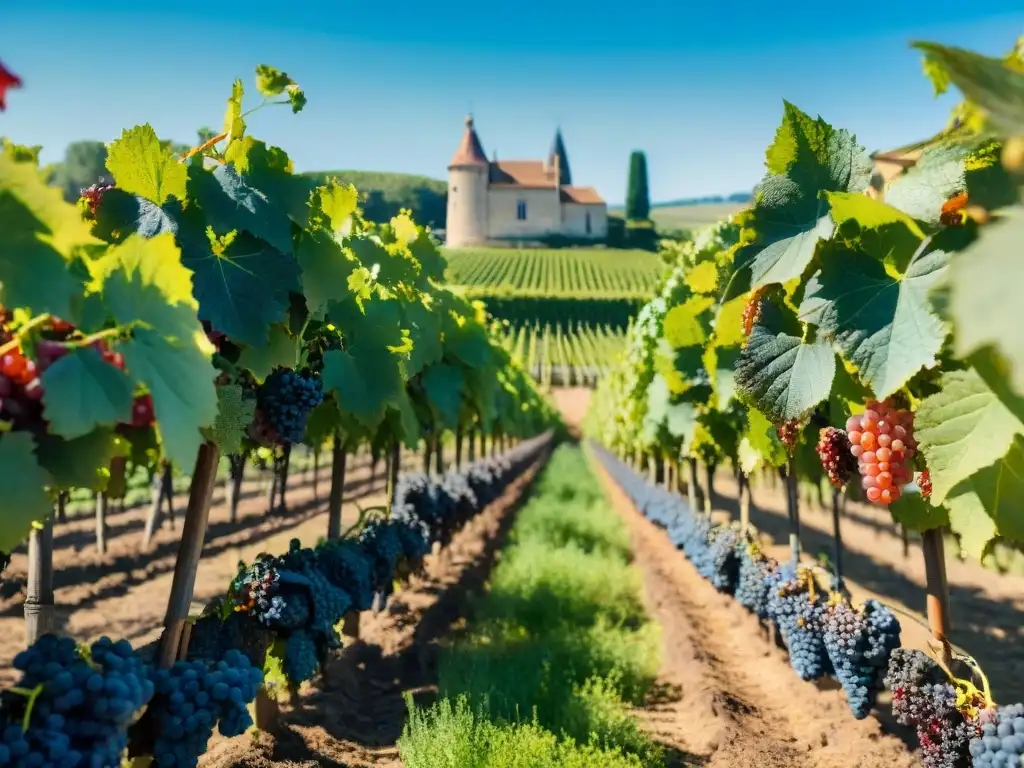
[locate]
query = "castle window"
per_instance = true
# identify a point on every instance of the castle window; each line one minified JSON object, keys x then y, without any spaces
{"x":455,"y":189}
{"x":521,"y":210}
{"x":587,"y":222}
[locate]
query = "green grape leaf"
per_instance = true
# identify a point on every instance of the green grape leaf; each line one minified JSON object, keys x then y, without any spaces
{"x":988,"y":82}
{"x":408,"y":422}
{"x":269,"y":170}
{"x":729,"y":323}
{"x":790,"y":216}
{"x":392,"y":266}
{"x":968,"y":519}
{"x":366,"y":378}
{"x":425,"y":326}
{"x":377,"y":322}
{"x":121,"y":213}
{"x":678,"y":419}
{"x":275,"y":681}
{"x":962,"y":428}
{"x":763,"y":439}
{"x":38,"y":228}
{"x":234,"y":123}
{"x":82,"y":391}
{"x":324,"y":421}
{"x":326,"y":269}
{"x":83,"y":462}
{"x":915,"y":514}
{"x":234,"y":415}
{"x":337,"y":202}
{"x":995,"y":492}
{"x":778,"y":372}
{"x":144,"y":282}
{"x":179,"y":377}
{"x":230,"y":204}
{"x":875,"y":228}
{"x":244,"y":289}
{"x":142,"y":166}
{"x":685,"y":326}
{"x":884,"y":325}
{"x":281,"y":351}
{"x":443,"y":384}
{"x":702,"y":278}
{"x":432,"y":262}
{"x":936,"y":177}
{"x":986,"y":284}
{"x":469,"y":343}
{"x":24,"y":481}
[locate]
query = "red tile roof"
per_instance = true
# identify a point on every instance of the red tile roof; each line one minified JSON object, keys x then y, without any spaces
{"x":581,"y":195}
{"x":523,"y":173}
{"x":470,"y":151}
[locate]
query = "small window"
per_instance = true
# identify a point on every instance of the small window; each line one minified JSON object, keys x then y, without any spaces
{"x":587,"y":220}
{"x":455,"y":189}
{"x":521,"y":210}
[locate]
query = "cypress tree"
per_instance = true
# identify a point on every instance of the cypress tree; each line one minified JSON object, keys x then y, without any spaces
{"x":638,"y":199}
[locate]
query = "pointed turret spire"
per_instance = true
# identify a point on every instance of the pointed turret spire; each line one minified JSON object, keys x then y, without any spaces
{"x":470,"y":151}
{"x":558,"y":149}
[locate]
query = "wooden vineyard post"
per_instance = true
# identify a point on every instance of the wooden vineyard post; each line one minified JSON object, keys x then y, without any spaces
{"x":234,"y":485}
{"x":837,"y":537}
{"x":483,"y":444}
{"x":316,"y":474}
{"x":39,"y":613}
{"x":197,"y":516}
{"x":101,"y":523}
{"x":334,"y":506}
{"x":438,"y":455}
{"x":744,"y":483}
{"x":793,"y":504}
{"x":167,"y":478}
{"x":428,"y":444}
{"x":938,"y":590}
{"x":709,"y":489}
{"x":691,"y":484}
{"x":162,"y":490}
{"x":62,"y":507}
{"x":458,"y":448}
{"x":471,"y":447}
{"x":286,"y":463}
{"x":394,"y":467}
{"x":906,"y":541}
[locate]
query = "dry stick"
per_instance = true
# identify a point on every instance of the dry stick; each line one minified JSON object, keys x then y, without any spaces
{"x":938,"y":590}
{"x":101,"y":523}
{"x":837,"y":538}
{"x":197,"y":516}
{"x":338,"y":458}
{"x":39,"y":614}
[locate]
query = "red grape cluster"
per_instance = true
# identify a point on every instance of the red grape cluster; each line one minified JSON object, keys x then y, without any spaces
{"x":93,"y":196}
{"x":789,"y":433}
{"x":924,"y":482}
{"x":752,"y":311}
{"x":882,"y":439}
{"x":834,"y":451}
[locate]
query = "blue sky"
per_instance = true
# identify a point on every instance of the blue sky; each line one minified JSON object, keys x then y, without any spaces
{"x":699,"y":88}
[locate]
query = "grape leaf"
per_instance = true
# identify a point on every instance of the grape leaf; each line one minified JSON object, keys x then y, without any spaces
{"x":83,"y":391}
{"x":678,"y":420}
{"x":986,"y":285}
{"x":967,"y":519}
{"x":762,"y":440}
{"x":39,"y":229}
{"x":988,"y":82}
{"x":366,"y":377}
{"x":281,"y":350}
{"x":269,"y":170}
{"x":790,"y":216}
{"x":144,"y":282}
{"x":425,"y":326}
{"x":915,"y":514}
{"x":882,"y":324}
{"x":962,"y":428}
{"x":324,"y":421}
{"x":230,"y":203}
{"x":25,"y":499}
{"x":778,"y":372}
{"x":83,"y":462}
{"x":685,"y":325}
{"x":179,"y":377}
{"x":993,"y":492}
{"x":432,"y":262}
{"x":234,"y":415}
{"x":141,"y":165}
{"x":326,"y":269}
{"x":443,"y":385}
{"x":702,"y":278}
{"x":729,"y":323}
{"x":244,"y":289}
{"x":936,"y":177}
{"x":876,"y":228}
{"x":469,"y":343}
{"x":407,"y":422}
{"x":393,"y":264}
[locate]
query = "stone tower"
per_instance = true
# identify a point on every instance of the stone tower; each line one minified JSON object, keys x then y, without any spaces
{"x":468,"y":176}
{"x":558,"y":156}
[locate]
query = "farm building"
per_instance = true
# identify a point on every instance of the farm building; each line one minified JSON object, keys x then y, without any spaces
{"x":518,"y":201}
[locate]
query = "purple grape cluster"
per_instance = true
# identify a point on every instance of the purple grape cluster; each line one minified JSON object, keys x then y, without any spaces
{"x":859,"y":643}
{"x":1001,"y":743}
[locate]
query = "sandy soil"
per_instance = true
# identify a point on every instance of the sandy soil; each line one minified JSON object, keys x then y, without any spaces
{"x":354,"y":714}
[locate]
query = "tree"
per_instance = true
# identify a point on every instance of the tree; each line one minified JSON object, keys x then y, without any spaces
{"x":638,"y":198}
{"x":85,"y":164}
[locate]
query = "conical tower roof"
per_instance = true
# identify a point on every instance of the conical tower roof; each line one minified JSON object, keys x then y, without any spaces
{"x":470,"y":151}
{"x":558,"y":150}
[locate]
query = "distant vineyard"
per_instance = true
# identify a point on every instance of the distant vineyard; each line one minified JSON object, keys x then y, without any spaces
{"x":554,"y":356}
{"x":594,"y":273}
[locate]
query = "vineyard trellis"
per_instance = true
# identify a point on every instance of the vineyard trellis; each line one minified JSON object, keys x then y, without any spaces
{"x":217,"y":304}
{"x":869,"y":339}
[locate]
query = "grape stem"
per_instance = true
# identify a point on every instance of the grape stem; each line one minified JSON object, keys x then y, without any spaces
{"x":220,"y":137}
{"x":31,"y":694}
{"x":35,"y":322}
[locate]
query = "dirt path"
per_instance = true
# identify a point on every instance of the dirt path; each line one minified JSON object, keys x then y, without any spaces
{"x":353,"y":717}
{"x":124,"y":593}
{"x":728,"y":698}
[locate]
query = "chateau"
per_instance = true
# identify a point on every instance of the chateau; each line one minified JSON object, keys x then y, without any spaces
{"x":518,"y":201}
